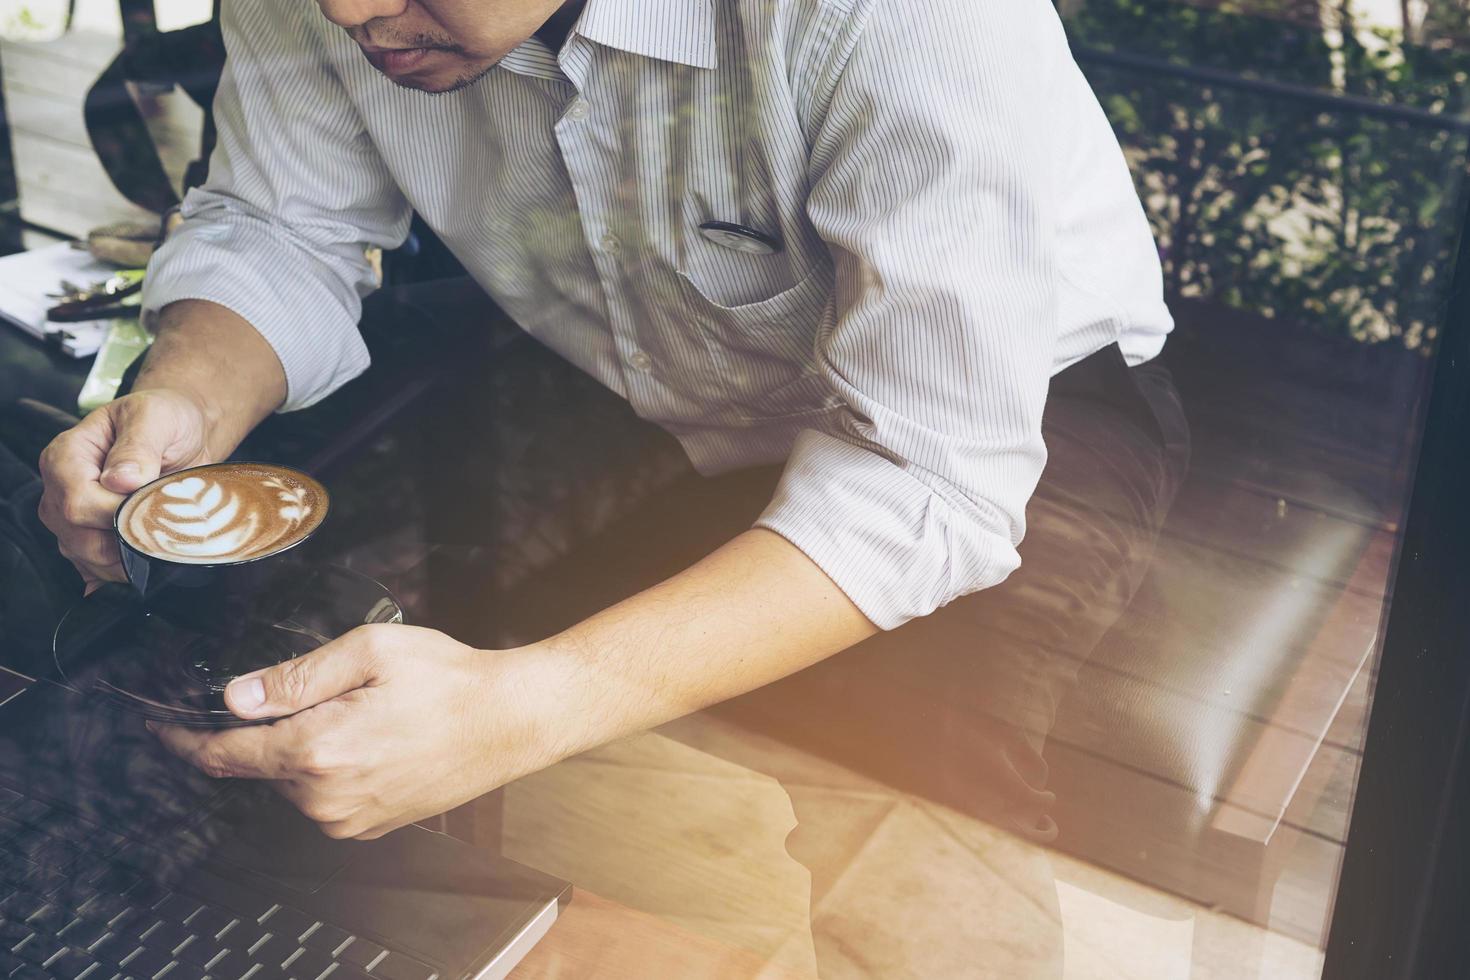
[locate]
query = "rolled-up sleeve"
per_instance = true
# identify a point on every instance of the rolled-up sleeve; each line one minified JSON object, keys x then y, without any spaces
{"x":296,"y":193}
{"x":933,"y":188}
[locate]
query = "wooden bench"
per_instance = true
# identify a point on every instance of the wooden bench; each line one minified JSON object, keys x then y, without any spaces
{"x":1195,"y":751}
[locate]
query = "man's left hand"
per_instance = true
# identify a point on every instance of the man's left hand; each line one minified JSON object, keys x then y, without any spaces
{"x":383,"y":727}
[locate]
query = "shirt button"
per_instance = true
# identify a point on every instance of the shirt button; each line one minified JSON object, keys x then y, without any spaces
{"x":610,"y":244}
{"x":640,"y":360}
{"x":578,"y":110}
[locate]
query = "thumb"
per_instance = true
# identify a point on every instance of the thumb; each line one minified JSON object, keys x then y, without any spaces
{"x":338,"y":667}
{"x":136,"y":456}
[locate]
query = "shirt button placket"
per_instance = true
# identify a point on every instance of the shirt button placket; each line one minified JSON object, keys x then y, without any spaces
{"x":570,"y":135}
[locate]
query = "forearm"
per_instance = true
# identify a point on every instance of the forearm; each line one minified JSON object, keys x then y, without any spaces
{"x":217,"y":358}
{"x":754,"y":611}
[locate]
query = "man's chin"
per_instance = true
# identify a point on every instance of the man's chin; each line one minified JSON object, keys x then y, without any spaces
{"x":441,"y":80}
{"x":437,"y":86}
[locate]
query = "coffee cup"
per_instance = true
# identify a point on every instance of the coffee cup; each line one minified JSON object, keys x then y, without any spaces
{"x":200,"y":544}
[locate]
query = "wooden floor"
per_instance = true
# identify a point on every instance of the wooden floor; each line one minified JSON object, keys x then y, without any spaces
{"x":708,"y":827}
{"x":702,"y":822}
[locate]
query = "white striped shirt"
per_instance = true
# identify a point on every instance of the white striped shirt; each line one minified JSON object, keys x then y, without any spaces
{"x":958,"y":225}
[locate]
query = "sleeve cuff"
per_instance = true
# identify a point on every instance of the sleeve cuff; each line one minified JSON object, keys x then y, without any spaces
{"x":894,"y":545}
{"x":309,"y":320}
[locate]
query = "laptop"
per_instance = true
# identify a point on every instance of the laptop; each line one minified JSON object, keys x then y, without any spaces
{"x":118,"y":860}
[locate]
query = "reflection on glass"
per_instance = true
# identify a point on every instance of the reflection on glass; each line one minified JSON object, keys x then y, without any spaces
{"x":1136,"y":757}
{"x":1281,"y":200}
{"x":34,"y":20}
{"x":1302,"y":169}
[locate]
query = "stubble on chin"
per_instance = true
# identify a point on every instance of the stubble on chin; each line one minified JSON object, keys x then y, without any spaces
{"x":466,"y":78}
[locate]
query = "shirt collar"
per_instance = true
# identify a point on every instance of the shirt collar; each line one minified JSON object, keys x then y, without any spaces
{"x":533,"y":58}
{"x":681,"y":31}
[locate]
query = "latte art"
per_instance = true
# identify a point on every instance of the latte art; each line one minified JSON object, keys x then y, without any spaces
{"x":224,"y":513}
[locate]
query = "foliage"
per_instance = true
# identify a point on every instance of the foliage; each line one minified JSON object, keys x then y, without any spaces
{"x":1445,"y":22}
{"x":1277,"y":204}
{"x":32,"y":20}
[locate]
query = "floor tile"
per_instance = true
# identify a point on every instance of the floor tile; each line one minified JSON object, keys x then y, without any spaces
{"x":760,"y":753}
{"x":1147,"y":933}
{"x":1108,"y":939}
{"x":669,"y":830}
{"x":833,"y":826}
{"x":915,"y":902}
{"x":1226,"y":948}
{"x":819,"y":869}
{"x":1026,"y":866}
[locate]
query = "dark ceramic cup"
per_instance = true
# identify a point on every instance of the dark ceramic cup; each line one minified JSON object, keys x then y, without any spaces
{"x":215,"y":597}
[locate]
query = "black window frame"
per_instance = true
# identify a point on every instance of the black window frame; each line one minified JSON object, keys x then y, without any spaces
{"x":1404,"y":890}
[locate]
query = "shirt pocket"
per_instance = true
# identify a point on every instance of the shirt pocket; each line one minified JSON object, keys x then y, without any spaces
{"x":765,"y":350}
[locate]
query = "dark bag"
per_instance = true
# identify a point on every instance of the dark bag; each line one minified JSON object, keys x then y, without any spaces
{"x":191,"y":59}
{"x":37,"y":585}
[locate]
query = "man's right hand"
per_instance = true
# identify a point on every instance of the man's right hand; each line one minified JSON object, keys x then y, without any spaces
{"x":89,"y":469}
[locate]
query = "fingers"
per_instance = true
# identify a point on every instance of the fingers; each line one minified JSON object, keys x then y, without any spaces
{"x":91,"y":547}
{"x":73,"y":498}
{"x":336,"y":820}
{"x":74,"y":506}
{"x":350,"y":829}
{"x":257,"y":752}
{"x":343,"y":665}
{"x":70,"y":469}
{"x":90,"y":468}
{"x":94,"y":553}
{"x":339,"y":820}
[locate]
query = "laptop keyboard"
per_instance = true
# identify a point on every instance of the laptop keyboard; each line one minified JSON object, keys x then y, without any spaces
{"x":72,"y":907}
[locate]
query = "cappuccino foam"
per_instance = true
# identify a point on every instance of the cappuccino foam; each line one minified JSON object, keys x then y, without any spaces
{"x":227,"y":512}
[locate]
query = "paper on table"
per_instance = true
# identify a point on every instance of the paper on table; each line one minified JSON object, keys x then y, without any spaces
{"x":28,"y":278}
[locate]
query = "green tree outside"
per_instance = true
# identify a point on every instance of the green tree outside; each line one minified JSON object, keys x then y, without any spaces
{"x":1328,"y":217}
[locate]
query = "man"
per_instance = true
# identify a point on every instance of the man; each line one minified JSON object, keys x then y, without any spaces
{"x":857,"y":237}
